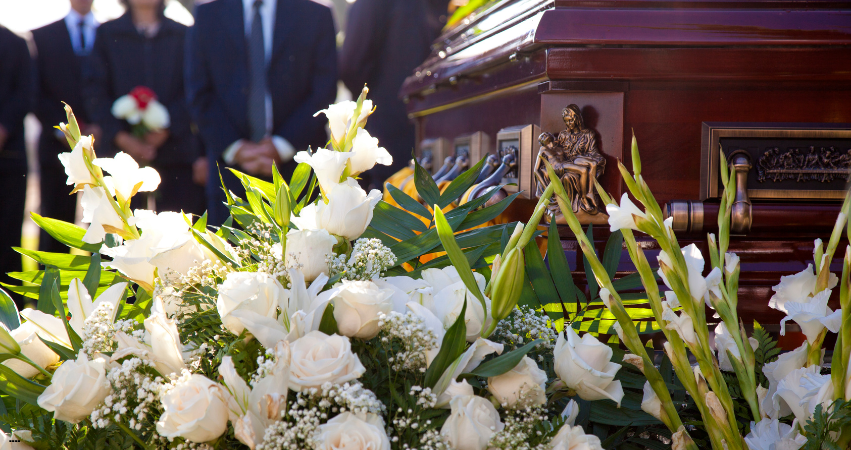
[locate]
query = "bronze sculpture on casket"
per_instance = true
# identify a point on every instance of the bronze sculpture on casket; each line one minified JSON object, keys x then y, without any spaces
{"x":577,"y":161}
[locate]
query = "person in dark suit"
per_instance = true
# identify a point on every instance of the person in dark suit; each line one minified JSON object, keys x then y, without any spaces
{"x":145,"y":48}
{"x":62,"y":49}
{"x":385,"y":41}
{"x":15,"y":98}
{"x":256,"y":72}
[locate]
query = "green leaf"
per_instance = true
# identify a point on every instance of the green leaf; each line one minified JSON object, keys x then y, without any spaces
{"x":64,"y":352}
{"x":64,"y":232}
{"x":472,"y":254}
{"x":405,"y":201}
{"x":413,"y":248}
{"x":52,"y":289}
{"x":460,"y":185}
{"x":426,"y":187}
{"x":8,"y":311}
{"x":19,"y":387}
{"x":628,"y":282}
{"x":558,"y":265}
{"x":447,"y":238}
{"x":612,"y":253}
{"x":328,"y":324}
{"x":484,"y":215}
{"x":538,"y":274}
{"x":45,"y":299}
{"x":453,"y":345}
{"x":92,"y":278}
{"x":201,"y":223}
{"x":62,"y":261}
{"x":593,"y":289}
{"x":205,"y":241}
{"x":395,"y":222}
{"x":501,"y":364}
{"x":301,"y":175}
{"x":265,"y":188}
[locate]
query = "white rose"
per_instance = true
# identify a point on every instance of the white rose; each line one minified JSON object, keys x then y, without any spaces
{"x":352,"y":432}
{"x":357,"y":307}
{"x":76,"y":388}
{"x":26,"y":336}
{"x":126,"y":174}
{"x":176,"y":256}
{"x":776,"y":371}
{"x":257,"y":292}
{"x":650,"y":402}
{"x":194,"y":409}
{"x":309,"y":250}
{"x":166,"y":351}
{"x":156,"y":116}
{"x":448,"y":304}
{"x":472,"y":422}
{"x":585,"y":366}
{"x":524,"y":385}
{"x":405,"y":289}
{"x":99,"y":214}
{"x":455,"y":389}
{"x":348,"y":211}
{"x":770,"y":435}
{"x":125,"y":107}
{"x":318,"y":358}
{"x":574,"y":438}
{"x":621,"y":217}
{"x":366,"y":153}
{"x":14,"y":440}
{"x":328,"y":165}
{"x":75,"y":164}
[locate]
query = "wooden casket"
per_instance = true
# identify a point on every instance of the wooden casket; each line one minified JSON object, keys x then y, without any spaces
{"x":767,"y":82}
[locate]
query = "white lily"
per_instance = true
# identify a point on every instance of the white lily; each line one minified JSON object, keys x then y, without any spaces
{"x":99,"y":214}
{"x":75,"y":163}
{"x":327,"y":164}
{"x":48,"y":327}
{"x":126,"y":175}
{"x":366,"y":153}
{"x":81,"y":306}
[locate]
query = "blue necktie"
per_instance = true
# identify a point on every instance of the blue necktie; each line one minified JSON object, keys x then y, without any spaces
{"x":257,"y":77}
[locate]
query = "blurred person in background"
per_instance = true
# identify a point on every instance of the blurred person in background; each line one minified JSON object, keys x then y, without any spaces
{"x":62,"y":49}
{"x":143,"y":48}
{"x":385,"y":41}
{"x":256,"y":72}
{"x":15,"y":97}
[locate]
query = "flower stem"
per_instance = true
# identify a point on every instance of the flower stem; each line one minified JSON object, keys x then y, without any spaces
{"x":132,"y":435}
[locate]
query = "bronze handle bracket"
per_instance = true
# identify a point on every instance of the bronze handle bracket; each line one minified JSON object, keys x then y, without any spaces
{"x":742,"y":217}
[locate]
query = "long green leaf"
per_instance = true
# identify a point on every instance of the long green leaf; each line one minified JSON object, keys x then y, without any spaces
{"x":538,"y":274}
{"x":64,"y":232}
{"x":64,"y":352}
{"x":62,"y":261}
{"x":92,"y":278}
{"x":45,"y":299}
{"x":301,"y":175}
{"x":53,"y":295}
{"x":395,"y":222}
{"x":484,"y":215}
{"x":612,"y":253}
{"x":410,"y":205}
{"x":460,"y":184}
{"x":473,"y":255}
{"x":425,"y":185}
{"x":266,"y":188}
{"x":593,"y":288}
{"x":447,"y":237}
{"x":453,"y":345}
{"x":19,"y":387}
{"x":8,"y":311}
{"x":504,"y":363}
{"x":559,"y":268}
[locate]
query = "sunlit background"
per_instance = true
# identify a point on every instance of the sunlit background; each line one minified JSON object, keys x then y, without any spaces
{"x":24,"y":15}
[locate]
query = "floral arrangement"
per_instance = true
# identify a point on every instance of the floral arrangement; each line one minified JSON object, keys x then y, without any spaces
{"x":141,"y":110}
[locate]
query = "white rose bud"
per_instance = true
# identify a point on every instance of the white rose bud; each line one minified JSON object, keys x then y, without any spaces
{"x":524,"y":385}
{"x":357,"y":307}
{"x":257,"y":292}
{"x":195,"y":409}
{"x":585,"y":366}
{"x":328,"y":165}
{"x":309,"y":250}
{"x":352,"y":432}
{"x":33,"y":348}
{"x":574,"y":438}
{"x":318,"y":359}
{"x":471,"y":424}
{"x":366,"y":153}
{"x":348,"y":211}
{"x":77,"y":387}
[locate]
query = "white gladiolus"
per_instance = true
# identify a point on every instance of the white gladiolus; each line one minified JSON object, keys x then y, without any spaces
{"x":731,"y":262}
{"x":195,"y":409}
{"x":694,"y":262}
{"x":366,"y":153}
{"x":725,"y":342}
{"x":681,"y":323}
{"x":585,"y":366}
{"x":574,"y":438}
{"x":81,"y":306}
{"x":348,"y":211}
{"x":812,"y":315}
{"x":256,"y":292}
{"x":357,"y":306}
{"x":650,"y":403}
{"x":309,"y":250}
{"x":318,"y":359}
{"x":522,"y":386}
{"x":125,"y":175}
{"x":798,"y":287}
{"x":352,"y":431}
{"x":472,"y":422}
{"x":770,"y":434}
{"x":26,"y":336}
{"x":621,"y":217}
{"x":775,"y":372}
{"x":803,"y":389}
{"x":98,"y":213}
{"x":76,"y":388}
{"x":75,"y":163}
{"x":328,"y":165}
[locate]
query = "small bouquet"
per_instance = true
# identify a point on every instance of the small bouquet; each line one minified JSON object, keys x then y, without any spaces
{"x":142,"y":111}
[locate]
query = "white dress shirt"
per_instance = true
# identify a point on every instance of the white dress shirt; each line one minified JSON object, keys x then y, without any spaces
{"x":267,"y":12}
{"x":90,"y":25}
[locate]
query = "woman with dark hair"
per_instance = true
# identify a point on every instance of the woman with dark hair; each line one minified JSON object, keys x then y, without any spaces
{"x":143,"y":48}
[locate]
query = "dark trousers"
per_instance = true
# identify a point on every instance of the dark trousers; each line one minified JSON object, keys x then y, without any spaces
{"x":56,"y":202}
{"x":13,"y":185}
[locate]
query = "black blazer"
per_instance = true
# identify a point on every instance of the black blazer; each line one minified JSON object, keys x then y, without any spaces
{"x":302,"y":73}
{"x":15,"y":98}
{"x":58,"y":79}
{"x":122,"y":59}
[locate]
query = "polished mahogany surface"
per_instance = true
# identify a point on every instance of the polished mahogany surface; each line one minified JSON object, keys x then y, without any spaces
{"x":675,"y":65}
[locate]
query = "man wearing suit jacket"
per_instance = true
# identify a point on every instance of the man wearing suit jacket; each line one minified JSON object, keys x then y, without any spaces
{"x":256,"y":72}
{"x":15,"y":98}
{"x":62,"y":49}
